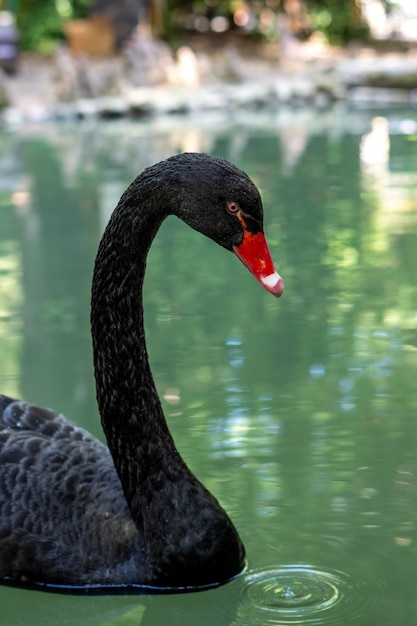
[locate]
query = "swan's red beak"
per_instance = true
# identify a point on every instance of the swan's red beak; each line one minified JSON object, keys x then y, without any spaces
{"x":254,"y":253}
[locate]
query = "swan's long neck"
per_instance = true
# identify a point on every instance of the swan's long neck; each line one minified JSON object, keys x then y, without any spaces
{"x":129,"y":406}
{"x":187,"y":537}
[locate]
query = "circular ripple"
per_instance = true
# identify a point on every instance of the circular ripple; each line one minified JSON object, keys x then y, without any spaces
{"x":293,"y":588}
{"x":306,"y":594}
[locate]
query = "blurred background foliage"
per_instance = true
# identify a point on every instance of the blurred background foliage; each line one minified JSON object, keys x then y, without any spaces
{"x":41,"y":22}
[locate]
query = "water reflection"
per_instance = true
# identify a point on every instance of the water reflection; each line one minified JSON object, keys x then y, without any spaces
{"x":299,"y":414}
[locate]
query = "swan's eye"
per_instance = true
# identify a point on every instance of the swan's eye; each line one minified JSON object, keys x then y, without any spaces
{"x":233,"y":207}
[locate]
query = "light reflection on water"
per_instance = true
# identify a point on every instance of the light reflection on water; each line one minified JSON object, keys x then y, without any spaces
{"x":298,"y":414}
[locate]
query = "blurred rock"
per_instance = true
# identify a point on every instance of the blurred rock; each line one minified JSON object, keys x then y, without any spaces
{"x":93,"y":36}
{"x":79,"y":76}
{"x":187,"y":71}
{"x":147,"y":61}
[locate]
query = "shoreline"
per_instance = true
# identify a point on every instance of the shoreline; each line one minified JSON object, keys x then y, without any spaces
{"x":230,"y":77}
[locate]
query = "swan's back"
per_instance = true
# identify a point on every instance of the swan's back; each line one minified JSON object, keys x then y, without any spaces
{"x":61,"y":502}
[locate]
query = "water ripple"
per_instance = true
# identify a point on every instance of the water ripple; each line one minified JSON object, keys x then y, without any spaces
{"x":305,"y":594}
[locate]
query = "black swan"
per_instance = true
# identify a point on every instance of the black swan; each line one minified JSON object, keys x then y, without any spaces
{"x":75,"y":514}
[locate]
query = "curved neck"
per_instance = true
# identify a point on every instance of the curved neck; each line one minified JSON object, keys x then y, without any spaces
{"x":183,"y":529}
{"x":130,"y":410}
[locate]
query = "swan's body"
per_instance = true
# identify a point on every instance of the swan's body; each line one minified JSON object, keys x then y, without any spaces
{"x":75,"y":513}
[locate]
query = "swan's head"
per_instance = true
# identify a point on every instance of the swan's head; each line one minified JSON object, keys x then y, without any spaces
{"x":220,"y":201}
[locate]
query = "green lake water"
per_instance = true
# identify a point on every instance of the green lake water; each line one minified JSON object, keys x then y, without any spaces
{"x":299,"y":414}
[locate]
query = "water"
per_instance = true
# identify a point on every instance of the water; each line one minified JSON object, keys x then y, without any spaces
{"x":298,"y":413}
